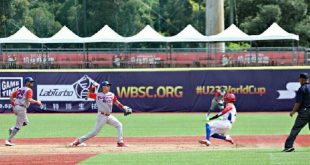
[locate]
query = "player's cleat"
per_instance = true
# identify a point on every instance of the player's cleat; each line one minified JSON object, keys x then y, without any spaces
{"x":82,"y":145}
{"x":8,"y":143}
{"x":229,"y":139}
{"x":288,"y":149}
{"x":121,"y":144}
{"x":75,"y":143}
{"x":205,"y":142}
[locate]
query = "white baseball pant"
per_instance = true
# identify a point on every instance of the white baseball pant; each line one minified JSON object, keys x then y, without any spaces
{"x":100,"y":122}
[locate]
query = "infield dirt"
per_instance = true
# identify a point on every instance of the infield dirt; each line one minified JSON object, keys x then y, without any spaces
{"x":56,"y":151}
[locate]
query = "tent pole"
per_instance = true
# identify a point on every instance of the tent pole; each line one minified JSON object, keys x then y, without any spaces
{"x":251,"y":44}
{"x":293,"y":53}
{"x":42,"y":56}
{"x":209,"y":55}
{"x":85,"y":54}
{"x":170,"y":54}
{"x":126,"y":58}
{"x":256,"y":50}
{"x":167,"y":55}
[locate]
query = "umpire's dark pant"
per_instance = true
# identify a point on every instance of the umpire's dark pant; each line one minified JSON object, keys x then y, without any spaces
{"x":302,"y":119}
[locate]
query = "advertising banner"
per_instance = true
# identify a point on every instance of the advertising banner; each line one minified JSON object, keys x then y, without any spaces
{"x":158,"y":91}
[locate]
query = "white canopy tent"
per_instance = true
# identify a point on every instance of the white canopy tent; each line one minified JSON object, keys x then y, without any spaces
{"x":188,"y":34}
{"x":232,"y":33}
{"x":105,"y":34}
{"x":147,"y":34}
{"x":64,"y":35}
{"x":23,"y":35}
{"x":275,"y":32}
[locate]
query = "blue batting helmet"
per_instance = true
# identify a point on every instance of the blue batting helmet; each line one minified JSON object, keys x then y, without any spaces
{"x":28,"y":79}
{"x":105,"y":83}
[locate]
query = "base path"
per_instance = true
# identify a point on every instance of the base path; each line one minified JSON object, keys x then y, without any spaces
{"x":55,"y":150}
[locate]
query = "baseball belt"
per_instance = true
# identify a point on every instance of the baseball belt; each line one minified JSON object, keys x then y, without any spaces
{"x":105,"y":114}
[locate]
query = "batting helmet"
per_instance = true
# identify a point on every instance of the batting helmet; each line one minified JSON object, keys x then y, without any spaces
{"x":105,"y":83}
{"x":230,"y":97}
{"x":28,"y":79}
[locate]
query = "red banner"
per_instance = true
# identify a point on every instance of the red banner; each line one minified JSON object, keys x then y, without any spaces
{"x":116,"y":59}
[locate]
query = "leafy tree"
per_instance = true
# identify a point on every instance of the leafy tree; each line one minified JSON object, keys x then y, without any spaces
{"x":266,"y":16}
{"x":18,"y":16}
{"x":293,"y":11}
{"x":44,"y":21}
{"x":45,"y":17}
{"x":69,"y":13}
{"x":133,"y":16}
{"x":255,"y":16}
{"x":5,"y":10}
{"x":302,"y":28}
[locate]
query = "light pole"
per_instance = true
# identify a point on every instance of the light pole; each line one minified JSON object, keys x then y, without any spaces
{"x":215,"y":21}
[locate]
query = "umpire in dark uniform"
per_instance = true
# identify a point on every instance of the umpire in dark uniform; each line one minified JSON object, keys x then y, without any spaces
{"x":302,"y":106}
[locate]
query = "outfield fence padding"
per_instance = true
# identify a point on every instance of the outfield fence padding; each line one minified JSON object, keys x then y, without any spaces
{"x":147,"y":90}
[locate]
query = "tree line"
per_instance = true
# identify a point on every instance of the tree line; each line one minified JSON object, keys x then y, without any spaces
{"x":85,"y":17}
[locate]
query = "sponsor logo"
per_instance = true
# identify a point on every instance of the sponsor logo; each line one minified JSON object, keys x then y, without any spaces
{"x":290,"y":92}
{"x":74,"y":92}
{"x":8,"y":85}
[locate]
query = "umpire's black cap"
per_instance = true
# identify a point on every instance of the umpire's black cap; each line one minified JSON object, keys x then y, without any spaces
{"x":304,"y":76}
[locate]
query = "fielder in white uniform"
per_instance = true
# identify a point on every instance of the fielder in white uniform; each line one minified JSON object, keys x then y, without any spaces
{"x":218,"y":128}
{"x":104,"y":101}
{"x":20,"y":101}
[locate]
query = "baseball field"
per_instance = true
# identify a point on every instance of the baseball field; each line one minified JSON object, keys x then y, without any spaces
{"x":152,"y":139}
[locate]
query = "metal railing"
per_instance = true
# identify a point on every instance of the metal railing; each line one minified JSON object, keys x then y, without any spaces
{"x":54,"y":58}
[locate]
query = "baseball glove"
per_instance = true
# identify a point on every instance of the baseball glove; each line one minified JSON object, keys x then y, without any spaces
{"x":127,"y":110}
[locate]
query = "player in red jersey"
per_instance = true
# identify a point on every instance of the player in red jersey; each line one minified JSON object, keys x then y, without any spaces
{"x":218,"y":128}
{"x":20,"y":101}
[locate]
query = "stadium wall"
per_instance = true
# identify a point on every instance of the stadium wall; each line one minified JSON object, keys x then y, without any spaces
{"x":158,"y":90}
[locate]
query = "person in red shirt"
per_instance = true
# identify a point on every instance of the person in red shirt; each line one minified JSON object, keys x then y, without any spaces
{"x":104,"y":100}
{"x":20,"y":101}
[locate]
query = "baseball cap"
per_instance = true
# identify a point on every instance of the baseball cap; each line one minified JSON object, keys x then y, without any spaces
{"x":105,"y":83}
{"x":304,"y":75}
{"x":28,"y":79}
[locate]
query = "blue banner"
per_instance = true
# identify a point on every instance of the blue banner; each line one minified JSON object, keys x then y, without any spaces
{"x":158,"y":91}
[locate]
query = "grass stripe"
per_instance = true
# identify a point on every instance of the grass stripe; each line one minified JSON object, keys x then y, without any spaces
{"x":146,"y":124}
{"x":271,"y":156}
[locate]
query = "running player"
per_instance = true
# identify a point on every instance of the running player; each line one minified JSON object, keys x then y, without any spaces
{"x":20,"y":101}
{"x":218,"y":128}
{"x":217,"y":101}
{"x":104,"y":101}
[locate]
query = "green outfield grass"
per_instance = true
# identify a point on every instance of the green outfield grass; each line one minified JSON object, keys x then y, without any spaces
{"x":142,"y":125}
{"x":219,"y":157}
